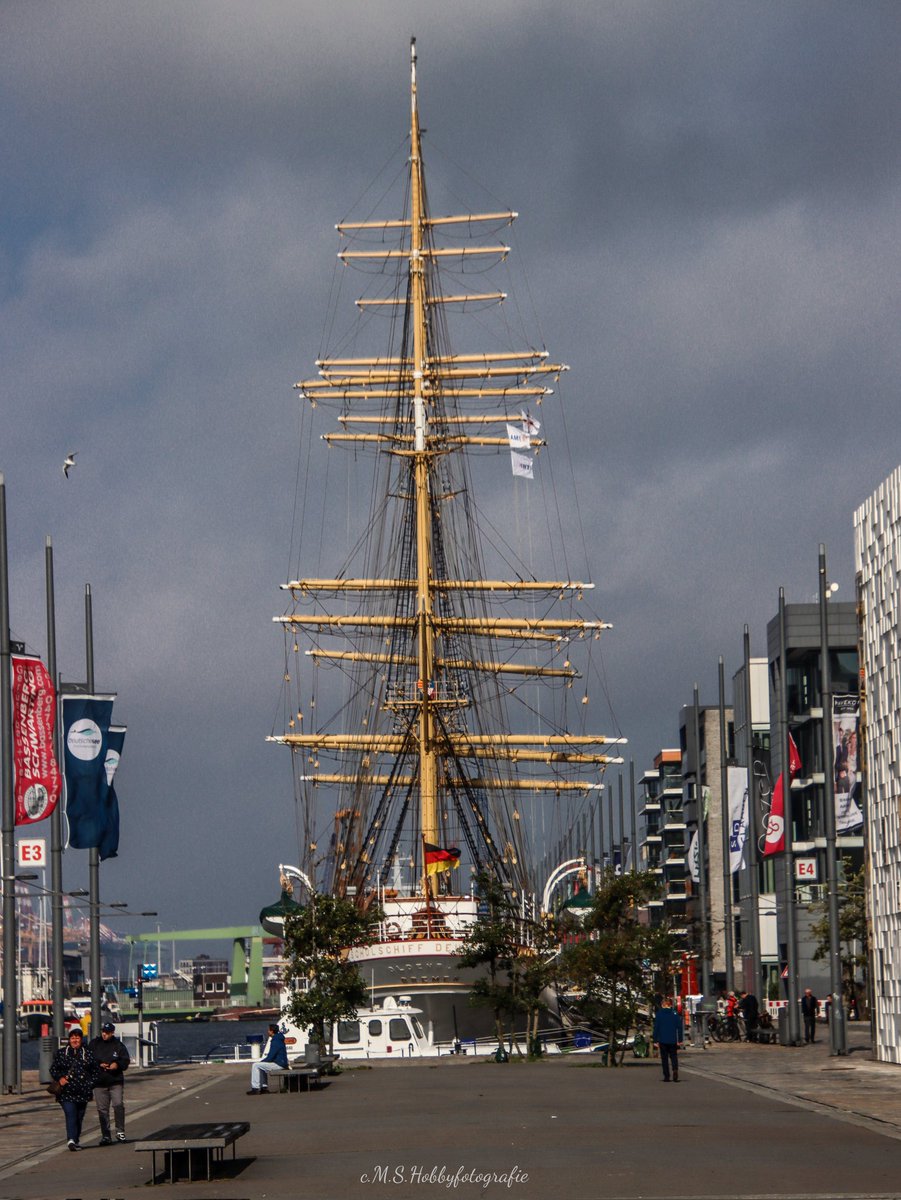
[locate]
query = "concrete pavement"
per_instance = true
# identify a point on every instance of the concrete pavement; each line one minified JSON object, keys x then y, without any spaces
{"x":761,"y":1121}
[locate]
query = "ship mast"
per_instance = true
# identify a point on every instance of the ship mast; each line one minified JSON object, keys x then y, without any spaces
{"x":430,"y":633}
{"x":428,"y":799}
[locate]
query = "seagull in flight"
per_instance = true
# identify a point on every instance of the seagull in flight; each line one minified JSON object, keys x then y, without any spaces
{"x":70,"y":462}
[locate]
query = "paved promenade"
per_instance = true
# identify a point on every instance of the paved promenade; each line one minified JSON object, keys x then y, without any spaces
{"x":744,"y":1121}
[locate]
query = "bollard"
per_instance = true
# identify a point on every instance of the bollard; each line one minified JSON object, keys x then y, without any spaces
{"x":49,"y":1046}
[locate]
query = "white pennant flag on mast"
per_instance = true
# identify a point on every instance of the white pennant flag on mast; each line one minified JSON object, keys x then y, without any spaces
{"x":518,"y":438}
{"x":529,"y":424}
{"x":521,"y":464}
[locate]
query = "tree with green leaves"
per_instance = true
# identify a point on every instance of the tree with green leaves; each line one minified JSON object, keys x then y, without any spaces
{"x":493,"y":942}
{"x":518,"y":959}
{"x":316,"y":940}
{"x":853,"y":934}
{"x":615,"y":963}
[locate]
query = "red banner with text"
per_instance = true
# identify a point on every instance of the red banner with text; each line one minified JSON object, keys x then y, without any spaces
{"x":37,"y":776}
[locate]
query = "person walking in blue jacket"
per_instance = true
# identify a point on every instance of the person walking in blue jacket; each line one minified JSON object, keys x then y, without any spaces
{"x":75,"y":1069}
{"x":668,"y":1036}
{"x":276,"y":1057}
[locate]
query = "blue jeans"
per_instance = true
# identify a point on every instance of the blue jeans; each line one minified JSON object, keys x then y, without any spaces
{"x":74,"y":1110}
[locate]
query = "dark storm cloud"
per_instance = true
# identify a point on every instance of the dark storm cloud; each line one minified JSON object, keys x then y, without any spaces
{"x":710,"y":236}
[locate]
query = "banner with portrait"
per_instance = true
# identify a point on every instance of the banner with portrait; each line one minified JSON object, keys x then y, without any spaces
{"x":845,"y":738}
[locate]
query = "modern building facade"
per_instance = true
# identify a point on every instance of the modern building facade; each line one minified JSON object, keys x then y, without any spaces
{"x":663,"y":846}
{"x":702,"y":778}
{"x":752,"y":749}
{"x":877,"y":538}
{"x":804,"y":869}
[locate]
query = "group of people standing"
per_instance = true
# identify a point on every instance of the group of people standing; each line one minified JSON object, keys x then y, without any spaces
{"x":95,"y":1070}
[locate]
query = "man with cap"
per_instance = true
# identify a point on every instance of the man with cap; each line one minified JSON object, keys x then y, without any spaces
{"x":112,"y":1063}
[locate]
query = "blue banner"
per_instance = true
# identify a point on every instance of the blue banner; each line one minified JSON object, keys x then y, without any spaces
{"x":86,"y":721}
{"x":109,"y":837}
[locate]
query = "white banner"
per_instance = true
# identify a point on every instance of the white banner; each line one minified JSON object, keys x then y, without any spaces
{"x":521,"y":464}
{"x":738,"y":815}
{"x":518,"y":438}
{"x":694,"y":858}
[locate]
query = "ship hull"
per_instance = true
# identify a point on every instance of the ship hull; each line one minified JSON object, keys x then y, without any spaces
{"x":428,"y":971}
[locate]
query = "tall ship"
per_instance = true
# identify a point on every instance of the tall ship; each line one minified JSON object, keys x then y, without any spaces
{"x":437,"y":705}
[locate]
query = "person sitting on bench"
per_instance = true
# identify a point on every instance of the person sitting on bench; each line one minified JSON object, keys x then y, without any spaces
{"x":275,"y":1058}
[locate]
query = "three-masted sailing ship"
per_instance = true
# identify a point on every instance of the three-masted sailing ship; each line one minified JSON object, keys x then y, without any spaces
{"x":438,"y":754}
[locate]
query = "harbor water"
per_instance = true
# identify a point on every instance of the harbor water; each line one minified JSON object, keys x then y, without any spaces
{"x":182,"y":1040}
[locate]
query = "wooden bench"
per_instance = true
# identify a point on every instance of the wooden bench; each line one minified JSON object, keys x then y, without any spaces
{"x":205,"y":1138}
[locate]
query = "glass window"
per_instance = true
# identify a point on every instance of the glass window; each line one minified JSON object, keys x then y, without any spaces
{"x":375,"y":1029}
{"x":398,"y":1030}
{"x":348,"y":1032}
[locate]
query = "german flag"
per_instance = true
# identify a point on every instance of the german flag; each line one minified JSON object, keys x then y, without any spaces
{"x":437,"y":859}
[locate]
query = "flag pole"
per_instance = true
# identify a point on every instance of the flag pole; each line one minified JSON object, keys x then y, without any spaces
{"x":427,"y":888}
{"x":751,"y":841}
{"x":57,"y":965}
{"x":634,"y":815}
{"x":726,"y":820}
{"x":93,"y":852}
{"x":11,"y":1081}
{"x":837,"y":1011}
{"x":704,"y":927}
{"x":788,"y":861}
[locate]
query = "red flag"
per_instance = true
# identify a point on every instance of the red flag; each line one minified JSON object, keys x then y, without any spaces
{"x":775,"y":824}
{"x":37,"y":786}
{"x":437,"y":859}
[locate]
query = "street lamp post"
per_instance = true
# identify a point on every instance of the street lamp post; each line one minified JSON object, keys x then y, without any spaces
{"x":706,"y":980}
{"x":752,"y":842}
{"x":837,"y":1013}
{"x":7,"y":820}
{"x":788,"y":857}
{"x":57,"y":967}
{"x":726,"y":838}
{"x":93,"y":852}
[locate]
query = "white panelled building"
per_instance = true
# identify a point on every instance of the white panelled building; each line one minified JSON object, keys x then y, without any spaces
{"x":877,"y":537}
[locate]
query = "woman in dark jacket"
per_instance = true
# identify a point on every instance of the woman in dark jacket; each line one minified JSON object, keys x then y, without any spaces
{"x":75,"y":1067}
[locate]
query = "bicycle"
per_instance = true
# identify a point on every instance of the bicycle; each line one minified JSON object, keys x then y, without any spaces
{"x":723,"y":1029}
